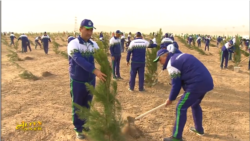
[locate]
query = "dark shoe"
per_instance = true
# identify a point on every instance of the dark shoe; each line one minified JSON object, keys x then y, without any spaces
{"x":172,"y":139}
{"x":143,"y":90}
{"x":119,"y":78}
{"x":80,"y":135}
{"x":192,"y":129}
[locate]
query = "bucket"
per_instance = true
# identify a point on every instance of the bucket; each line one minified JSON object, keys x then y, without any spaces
{"x":237,"y":69}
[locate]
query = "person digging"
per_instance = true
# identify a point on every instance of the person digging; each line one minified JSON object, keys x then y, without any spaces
{"x":189,"y":73}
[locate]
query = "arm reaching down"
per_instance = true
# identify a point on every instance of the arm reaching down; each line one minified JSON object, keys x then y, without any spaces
{"x":175,"y":75}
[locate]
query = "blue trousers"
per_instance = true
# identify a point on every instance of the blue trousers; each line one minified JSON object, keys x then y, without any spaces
{"x":192,"y":100}
{"x":46,"y":49}
{"x":218,"y":44}
{"x":249,"y":64}
{"x":207,"y":47}
{"x":122,"y":46}
{"x":199,"y":44}
{"x":11,"y":42}
{"x":224,"y":56}
{"x":116,"y":66}
{"x":24,"y":48}
{"x":81,"y":96}
{"x":140,"y":69}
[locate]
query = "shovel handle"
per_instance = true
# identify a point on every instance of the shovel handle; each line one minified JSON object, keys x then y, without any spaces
{"x":144,"y":114}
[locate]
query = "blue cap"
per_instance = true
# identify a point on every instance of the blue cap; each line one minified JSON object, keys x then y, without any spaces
{"x":118,"y":32}
{"x":159,"y":54}
{"x":138,"y":33}
{"x":88,"y":24}
{"x":166,"y":35}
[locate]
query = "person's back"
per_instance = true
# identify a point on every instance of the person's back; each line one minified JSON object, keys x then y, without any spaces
{"x":194,"y":75}
{"x":138,"y":49}
{"x":24,"y":39}
{"x":12,"y":36}
{"x":45,"y":40}
{"x":115,"y":48}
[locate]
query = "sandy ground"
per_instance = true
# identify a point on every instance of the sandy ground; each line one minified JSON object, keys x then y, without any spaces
{"x":226,"y":108}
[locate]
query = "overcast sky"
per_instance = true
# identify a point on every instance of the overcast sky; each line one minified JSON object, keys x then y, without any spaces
{"x":109,"y":15}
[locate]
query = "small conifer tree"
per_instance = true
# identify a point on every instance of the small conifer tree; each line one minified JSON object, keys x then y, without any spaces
{"x":194,"y":39}
{"x":151,"y":71}
{"x":105,"y":123}
{"x":237,"y":54}
{"x":104,"y":44}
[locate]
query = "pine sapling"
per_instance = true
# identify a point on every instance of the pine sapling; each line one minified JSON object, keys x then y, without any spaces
{"x":105,"y":123}
{"x":151,"y":67}
{"x":237,"y":54}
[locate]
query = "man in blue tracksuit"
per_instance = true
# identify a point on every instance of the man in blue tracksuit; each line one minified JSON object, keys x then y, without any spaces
{"x":101,"y":36}
{"x":25,"y":42}
{"x":230,"y":53}
{"x":172,"y":37}
{"x":128,"y":41}
{"x":37,"y":42}
{"x":122,"y":42}
{"x":115,"y":51}
{"x":166,"y":41}
{"x":248,"y":48}
{"x":138,"y":50}
{"x":190,"y":39}
{"x":198,"y":40}
{"x":228,"y":47}
{"x":70,"y":38}
{"x":45,"y":41}
{"x":219,"y":39}
{"x":82,"y":70}
{"x":207,"y":43}
{"x":12,"y":37}
{"x":189,"y":73}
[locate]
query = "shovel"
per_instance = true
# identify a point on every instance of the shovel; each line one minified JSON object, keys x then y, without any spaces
{"x":131,"y":120}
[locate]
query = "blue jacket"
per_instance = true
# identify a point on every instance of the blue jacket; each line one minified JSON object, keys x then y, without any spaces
{"x":24,"y":39}
{"x":101,"y":35}
{"x":12,"y":37}
{"x":227,"y":48}
{"x":247,"y":43}
{"x":207,"y":41}
{"x":45,"y":40}
{"x":219,"y":39}
{"x":81,"y":59}
{"x":115,"y":46}
{"x":189,"y":73}
{"x":138,"y":50}
{"x":190,"y":38}
{"x":176,"y":45}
